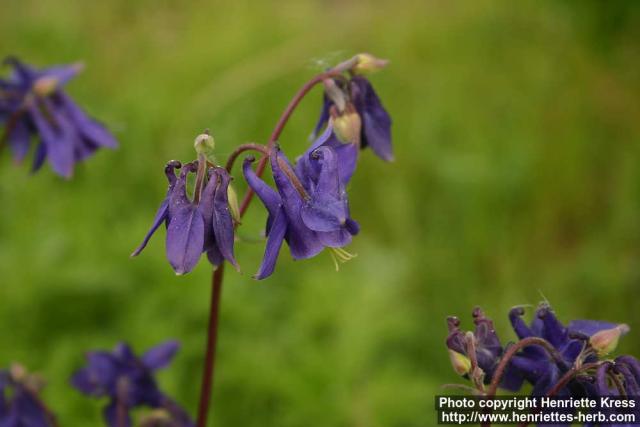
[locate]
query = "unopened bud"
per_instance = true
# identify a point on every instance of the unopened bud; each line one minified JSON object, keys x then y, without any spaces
{"x":366,"y":63}
{"x":347,"y":126}
{"x":604,"y":342}
{"x":461,"y":363}
{"x":205,"y":145}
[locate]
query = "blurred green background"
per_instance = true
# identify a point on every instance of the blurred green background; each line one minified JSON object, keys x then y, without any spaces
{"x":516,"y":130}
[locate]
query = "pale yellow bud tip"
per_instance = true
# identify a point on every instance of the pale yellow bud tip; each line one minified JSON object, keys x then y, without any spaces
{"x":366,"y":63}
{"x":604,"y":342}
{"x":461,"y":363}
{"x":204,"y":142}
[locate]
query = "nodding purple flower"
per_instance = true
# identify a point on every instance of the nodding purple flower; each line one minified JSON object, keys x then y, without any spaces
{"x":201,"y":224}
{"x":581,"y":345}
{"x":359,"y":119}
{"x":128,"y":381}
{"x":33,"y":102}
{"x":580,"y":339}
{"x":483,"y":341}
{"x":309,"y":210}
{"x":20,"y":405}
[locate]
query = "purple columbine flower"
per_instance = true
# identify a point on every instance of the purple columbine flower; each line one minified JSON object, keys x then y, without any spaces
{"x":33,"y":102}
{"x":582,"y":346}
{"x":359,"y":121}
{"x":310,"y":210}
{"x":486,"y":344}
{"x":129,"y":382}
{"x":579,"y":339}
{"x":20,"y":405}
{"x":201,"y":224}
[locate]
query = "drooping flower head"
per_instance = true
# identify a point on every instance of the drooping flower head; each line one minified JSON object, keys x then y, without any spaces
{"x":20,"y":404}
{"x":358,"y":118}
{"x":582,"y":340}
{"x":128,"y":381}
{"x":581,"y":345}
{"x":33,"y":102}
{"x":309,"y":210}
{"x":202,"y":223}
{"x":483,"y":342}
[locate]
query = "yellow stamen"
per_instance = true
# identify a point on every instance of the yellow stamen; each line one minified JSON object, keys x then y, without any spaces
{"x":340,"y":256}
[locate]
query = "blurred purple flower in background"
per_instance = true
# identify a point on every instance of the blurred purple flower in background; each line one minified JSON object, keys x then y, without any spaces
{"x":33,"y":102}
{"x":129,"y":382}
{"x":20,"y":405}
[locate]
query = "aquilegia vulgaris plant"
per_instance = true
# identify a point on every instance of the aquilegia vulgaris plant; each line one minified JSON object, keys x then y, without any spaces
{"x":308,"y":209}
{"x":571,"y":360}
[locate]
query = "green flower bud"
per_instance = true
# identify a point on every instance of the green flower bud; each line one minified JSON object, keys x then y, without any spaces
{"x":461,"y":363}
{"x":366,"y":63}
{"x":604,"y":342}
{"x":205,"y":145}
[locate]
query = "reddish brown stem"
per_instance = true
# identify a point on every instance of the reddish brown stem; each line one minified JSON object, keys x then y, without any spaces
{"x":250,"y":146}
{"x":511,"y":351}
{"x":508,"y":355}
{"x":209,"y":364}
{"x":218,"y":275}
{"x":569,"y":375}
{"x":284,"y":118}
{"x":566,"y":378}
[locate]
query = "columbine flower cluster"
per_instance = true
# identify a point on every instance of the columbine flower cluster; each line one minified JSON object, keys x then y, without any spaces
{"x":33,"y":102}
{"x":309,"y":207}
{"x":561,"y":360}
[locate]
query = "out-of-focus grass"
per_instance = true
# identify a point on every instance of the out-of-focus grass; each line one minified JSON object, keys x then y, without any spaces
{"x":516,"y":128}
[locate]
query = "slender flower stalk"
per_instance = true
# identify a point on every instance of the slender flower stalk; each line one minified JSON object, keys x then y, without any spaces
{"x":358,"y":64}
{"x":218,"y":274}
{"x":510,"y":354}
{"x":282,"y":122}
{"x":309,"y":210}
